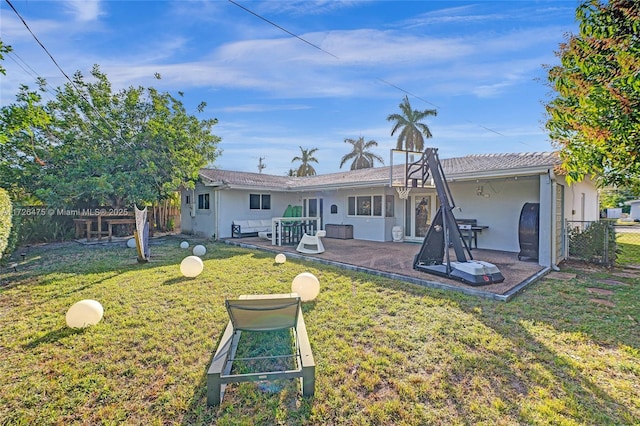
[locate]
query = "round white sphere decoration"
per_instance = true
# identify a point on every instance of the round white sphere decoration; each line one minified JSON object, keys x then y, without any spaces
{"x":281,"y":258}
{"x":191,"y":266}
{"x":199,"y":250}
{"x":131,"y":243}
{"x":84,"y":313}
{"x":184,"y":244}
{"x":306,"y":285}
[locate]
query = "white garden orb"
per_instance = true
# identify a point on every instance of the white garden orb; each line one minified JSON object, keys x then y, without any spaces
{"x":131,"y":243}
{"x":199,"y":250}
{"x":184,"y":244}
{"x":191,"y":266}
{"x":306,"y":285}
{"x":84,"y":313}
{"x":281,"y":258}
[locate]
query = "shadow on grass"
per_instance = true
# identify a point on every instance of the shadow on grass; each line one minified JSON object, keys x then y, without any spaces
{"x":557,"y":307}
{"x":53,"y":336}
{"x":178,"y":280}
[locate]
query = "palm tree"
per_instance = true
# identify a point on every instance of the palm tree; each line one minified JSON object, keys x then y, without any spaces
{"x":361,"y":156}
{"x":411,"y":129}
{"x":307,"y":157}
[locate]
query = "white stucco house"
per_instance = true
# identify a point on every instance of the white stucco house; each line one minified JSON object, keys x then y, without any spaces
{"x":490,"y":189}
{"x":634,"y":212}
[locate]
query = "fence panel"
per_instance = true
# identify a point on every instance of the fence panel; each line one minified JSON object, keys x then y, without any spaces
{"x":605,"y":242}
{"x":591,"y":241}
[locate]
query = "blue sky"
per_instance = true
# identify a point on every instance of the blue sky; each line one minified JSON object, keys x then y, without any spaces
{"x":480,"y":64}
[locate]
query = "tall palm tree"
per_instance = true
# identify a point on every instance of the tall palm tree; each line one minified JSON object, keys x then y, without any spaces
{"x":361,"y":156}
{"x":307,"y":157}
{"x":411,"y":129}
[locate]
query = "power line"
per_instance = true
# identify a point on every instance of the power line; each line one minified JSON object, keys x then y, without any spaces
{"x":39,"y":42}
{"x":283,"y":29}
{"x":44,"y":86}
{"x":336,"y":57}
{"x":408,"y":93}
{"x":81,"y":94}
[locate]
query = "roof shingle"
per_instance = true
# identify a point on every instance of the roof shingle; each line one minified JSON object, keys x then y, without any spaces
{"x":485,"y":164}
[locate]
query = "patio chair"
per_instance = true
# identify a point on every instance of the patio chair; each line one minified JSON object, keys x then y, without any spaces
{"x":311,"y":244}
{"x":261,"y":313}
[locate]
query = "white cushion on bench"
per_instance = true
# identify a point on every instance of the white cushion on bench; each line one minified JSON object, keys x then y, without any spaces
{"x":253,"y":225}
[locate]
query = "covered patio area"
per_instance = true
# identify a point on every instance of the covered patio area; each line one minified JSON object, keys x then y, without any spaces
{"x":395,"y":261}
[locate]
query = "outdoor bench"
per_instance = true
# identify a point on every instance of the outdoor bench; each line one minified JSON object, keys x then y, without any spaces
{"x":251,"y":227}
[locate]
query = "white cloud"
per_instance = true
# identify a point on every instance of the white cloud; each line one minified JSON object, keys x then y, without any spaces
{"x":264,"y":108}
{"x":461,"y":14}
{"x":84,"y":10}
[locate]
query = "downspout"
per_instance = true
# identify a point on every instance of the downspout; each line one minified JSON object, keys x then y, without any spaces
{"x":554,"y":228}
{"x":216,"y":223}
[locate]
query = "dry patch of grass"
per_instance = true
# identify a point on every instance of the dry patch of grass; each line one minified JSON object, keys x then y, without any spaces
{"x":386,"y":352}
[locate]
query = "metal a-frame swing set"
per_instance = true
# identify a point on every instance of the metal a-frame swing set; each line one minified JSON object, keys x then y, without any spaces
{"x":434,"y":256}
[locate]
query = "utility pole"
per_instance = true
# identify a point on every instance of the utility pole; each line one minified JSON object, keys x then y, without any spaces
{"x":261,"y":165}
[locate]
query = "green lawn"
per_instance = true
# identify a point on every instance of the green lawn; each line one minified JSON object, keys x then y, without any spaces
{"x":386,"y":352}
{"x":628,"y":249}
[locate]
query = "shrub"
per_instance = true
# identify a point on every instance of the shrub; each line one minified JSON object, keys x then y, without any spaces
{"x":595,"y":243}
{"x":46,"y":229}
{"x":5,"y":220}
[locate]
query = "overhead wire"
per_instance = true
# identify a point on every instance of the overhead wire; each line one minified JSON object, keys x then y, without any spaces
{"x":82,"y":95}
{"x":282,"y":28}
{"x":336,"y":57}
{"x":60,"y":69}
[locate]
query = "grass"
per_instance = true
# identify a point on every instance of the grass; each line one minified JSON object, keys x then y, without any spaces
{"x":628,"y":248}
{"x":386,"y":352}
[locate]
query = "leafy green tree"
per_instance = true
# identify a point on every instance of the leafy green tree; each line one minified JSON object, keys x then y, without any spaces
{"x":3,"y":49}
{"x":616,"y":197}
{"x":595,"y":118}
{"x":119,"y":148}
{"x":361,"y":155}
{"x":23,"y":142}
{"x":411,"y":129}
{"x":306,"y":157}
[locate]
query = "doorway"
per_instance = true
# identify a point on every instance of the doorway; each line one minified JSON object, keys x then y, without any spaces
{"x":313,"y":207}
{"x":419,"y":211}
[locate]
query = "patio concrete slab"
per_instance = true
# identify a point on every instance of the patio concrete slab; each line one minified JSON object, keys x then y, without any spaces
{"x":395,"y":261}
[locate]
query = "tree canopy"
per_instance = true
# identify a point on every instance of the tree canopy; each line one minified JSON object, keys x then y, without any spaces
{"x":361,"y":155}
{"x":412,"y":130}
{"x":91,"y":146}
{"x":3,"y":49}
{"x":595,"y":118}
{"x":22,"y":142}
{"x":305,"y":159}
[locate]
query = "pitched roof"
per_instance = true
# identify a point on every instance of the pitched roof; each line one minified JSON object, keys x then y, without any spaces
{"x":459,"y":168}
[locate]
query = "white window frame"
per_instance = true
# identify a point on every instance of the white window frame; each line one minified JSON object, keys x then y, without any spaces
{"x":204,"y":201}
{"x":262,"y":198}
{"x":375,"y":205}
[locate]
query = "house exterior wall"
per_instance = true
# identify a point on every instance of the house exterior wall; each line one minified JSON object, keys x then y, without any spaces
{"x":194,"y":220}
{"x":575,"y":208}
{"x":634,"y":211}
{"x":495,"y":203}
{"x":576,"y":202}
{"x":234,"y":205}
{"x":371,"y":228}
